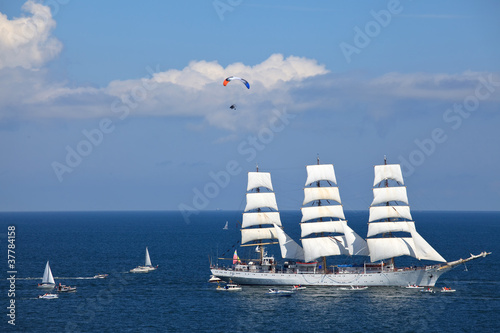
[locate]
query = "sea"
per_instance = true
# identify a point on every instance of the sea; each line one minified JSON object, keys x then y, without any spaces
{"x":177,"y":297}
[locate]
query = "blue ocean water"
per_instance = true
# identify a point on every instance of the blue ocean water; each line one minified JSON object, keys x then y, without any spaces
{"x":178,"y":298}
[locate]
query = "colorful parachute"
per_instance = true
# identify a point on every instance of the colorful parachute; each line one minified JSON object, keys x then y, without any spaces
{"x":231,"y":78}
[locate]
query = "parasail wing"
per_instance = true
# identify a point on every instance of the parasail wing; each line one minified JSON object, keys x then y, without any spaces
{"x":227,"y":80}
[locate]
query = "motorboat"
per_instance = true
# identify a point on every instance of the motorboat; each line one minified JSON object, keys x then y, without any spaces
{"x":428,"y":290}
{"x":65,"y":289}
{"x":229,"y":287}
{"x":100,"y":276}
{"x":298,"y":287}
{"x":48,"y":296}
{"x":278,"y":292}
{"x":447,"y":290}
{"x":413,"y":286}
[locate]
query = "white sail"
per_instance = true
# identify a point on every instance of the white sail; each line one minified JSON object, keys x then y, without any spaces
{"x":423,"y":250}
{"x":355,"y":244}
{"x":388,"y":171}
{"x":386,"y":212}
{"x":390,"y":247}
{"x":259,"y":218}
{"x":289,"y":248}
{"x":261,"y":200}
{"x":319,"y":227}
{"x":387,"y":194}
{"x":323,"y":246}
{"x":320,"y":172}
{"x":47,"y":275}
{"x":259,"y":179}
{"x":385,"y":248}
{"x":316,"y":212}
{"x":248,"y":235}
{"x":321,"y":193}
{"x":148,"y":259}
{"x":376,"y":228}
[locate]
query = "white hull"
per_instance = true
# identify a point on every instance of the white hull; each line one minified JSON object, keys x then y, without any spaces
{"x":142,"y":269}
{"x":421,"y":277}
{"x":46,"y":286}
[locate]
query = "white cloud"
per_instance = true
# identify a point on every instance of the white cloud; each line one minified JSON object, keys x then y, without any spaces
{"x":196,"y":91}
{"x":27,"y":41}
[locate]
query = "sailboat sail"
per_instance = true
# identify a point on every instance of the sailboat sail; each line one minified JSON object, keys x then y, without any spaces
{"x":323,"y":215}
{"x":47,"y":275}
{"x":390,"y":213}
{"x":148,"y":259}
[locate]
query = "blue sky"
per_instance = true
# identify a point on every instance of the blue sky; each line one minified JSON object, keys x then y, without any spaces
{"x":120,"y":106}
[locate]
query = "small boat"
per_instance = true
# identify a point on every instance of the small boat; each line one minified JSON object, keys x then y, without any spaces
{"x":147,"y":265}
{"x":428,"y":290}
{"x":47,"y":279}
{"x":413,"y":286}
{"x":298,"y":287}
{"x":226,"y":226}
{"x":278,"y":292}
{"x":100,"y":276}
{"x":48,"y":296}
{"x":65,"y":289}
{"x":229,"y":287}
{"x":447,"y":290}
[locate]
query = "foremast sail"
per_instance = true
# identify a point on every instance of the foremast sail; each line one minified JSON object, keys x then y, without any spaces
{"x":390,"y":213}
{"x":261,"y":223}
{"x":323,"y":216}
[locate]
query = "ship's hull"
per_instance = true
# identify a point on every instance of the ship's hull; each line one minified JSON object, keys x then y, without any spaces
{"x":421,"y":277}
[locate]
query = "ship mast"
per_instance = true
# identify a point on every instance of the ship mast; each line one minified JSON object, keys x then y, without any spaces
{"x":390,"y":212}
{"x":391,"y":260}
{"x":323,"y":217}
{"x":318,"y":184}
{"x":261,"y":212}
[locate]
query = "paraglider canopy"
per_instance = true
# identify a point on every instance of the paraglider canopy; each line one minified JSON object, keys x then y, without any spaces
{"x":227,"y":80}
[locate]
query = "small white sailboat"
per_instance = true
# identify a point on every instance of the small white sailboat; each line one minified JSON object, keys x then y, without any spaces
{"x":47,"y":279}
{"x":226,"y":226}
{"x":147,"y":265}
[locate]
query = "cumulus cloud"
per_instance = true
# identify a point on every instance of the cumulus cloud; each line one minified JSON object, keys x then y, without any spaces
{"x":196,"y":91}
{"x":27,"y":41}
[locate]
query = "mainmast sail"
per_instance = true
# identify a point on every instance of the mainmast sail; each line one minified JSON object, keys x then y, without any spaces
{"x":390,"y":213}
{"x":261,"y":223}
{"x":323,"y":215}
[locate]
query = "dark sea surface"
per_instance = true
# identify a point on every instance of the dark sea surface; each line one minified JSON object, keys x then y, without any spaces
{"x":178,"y":298}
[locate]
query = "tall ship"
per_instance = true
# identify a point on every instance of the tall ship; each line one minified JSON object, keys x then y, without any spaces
{"x":325,"y":234}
